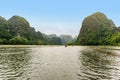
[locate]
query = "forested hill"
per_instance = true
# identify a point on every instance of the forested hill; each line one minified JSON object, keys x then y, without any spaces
{"x":17,"y":30}
{"x":97,"y":29}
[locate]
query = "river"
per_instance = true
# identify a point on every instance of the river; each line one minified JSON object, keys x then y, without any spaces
{"x":32,"y":62}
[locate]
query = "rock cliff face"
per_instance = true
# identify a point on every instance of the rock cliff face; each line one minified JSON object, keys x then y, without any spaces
{"x":96,"y":29}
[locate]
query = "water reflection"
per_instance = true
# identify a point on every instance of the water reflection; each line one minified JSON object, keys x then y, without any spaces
{"x":12,"y":62}
{"x":59,"y":63}
{"x":95,"y":65}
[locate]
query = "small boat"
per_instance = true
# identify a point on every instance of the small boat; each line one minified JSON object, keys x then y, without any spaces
{"x":65,"y":45}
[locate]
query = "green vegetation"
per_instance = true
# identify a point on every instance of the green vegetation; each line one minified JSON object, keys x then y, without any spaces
{"x":115,"y":40}
{"x":97,"y":29}
{"x":18,"y":40}
{"x":17,"y":30}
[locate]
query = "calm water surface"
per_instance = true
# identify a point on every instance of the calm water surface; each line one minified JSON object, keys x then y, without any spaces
{"x":59,"y":63}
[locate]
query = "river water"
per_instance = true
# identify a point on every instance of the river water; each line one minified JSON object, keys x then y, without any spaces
{"x":59,"y":62}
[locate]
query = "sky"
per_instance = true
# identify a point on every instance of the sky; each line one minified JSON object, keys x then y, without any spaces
{"x":59,"y":16}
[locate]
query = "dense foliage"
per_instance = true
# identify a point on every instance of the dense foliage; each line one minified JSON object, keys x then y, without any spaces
{"x":17,"y":30}
{"x":115,"y":40}
{"x":18,"y":40}
{"x":97,"y":29}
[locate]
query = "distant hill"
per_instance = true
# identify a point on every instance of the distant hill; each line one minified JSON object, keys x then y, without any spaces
{"x":66,"y":38}
{"x":52,"y":35}
{"x":52,"y":39}
{"x":97,"y":29}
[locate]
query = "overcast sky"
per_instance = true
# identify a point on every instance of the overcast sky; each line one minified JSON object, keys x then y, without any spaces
{"x":59,"y":16}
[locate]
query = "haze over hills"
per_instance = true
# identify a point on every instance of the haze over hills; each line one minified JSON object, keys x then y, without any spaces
{"x":66,"y":38}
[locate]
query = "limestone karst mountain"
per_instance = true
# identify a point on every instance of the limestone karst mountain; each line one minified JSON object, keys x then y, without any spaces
{"x":96,"y":29}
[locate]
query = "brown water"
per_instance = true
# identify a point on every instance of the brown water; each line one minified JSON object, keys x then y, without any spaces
{"x":59,"y":63}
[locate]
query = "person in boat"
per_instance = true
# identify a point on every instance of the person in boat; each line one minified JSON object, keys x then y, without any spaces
{"x":65,"y":45}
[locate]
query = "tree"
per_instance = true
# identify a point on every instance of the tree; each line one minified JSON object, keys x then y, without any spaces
{"x":115,"y":40}
{"x":18,"y":40}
